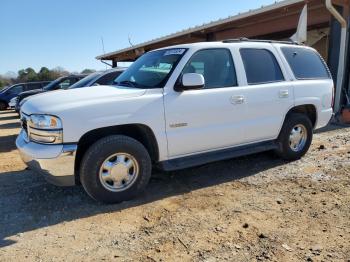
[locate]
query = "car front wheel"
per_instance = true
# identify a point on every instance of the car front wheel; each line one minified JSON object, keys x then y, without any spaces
{"x":115,"y":169}
{"x":3,"y":106}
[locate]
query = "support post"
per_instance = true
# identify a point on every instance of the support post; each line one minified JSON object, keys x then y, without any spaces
{"x":341,"y":63}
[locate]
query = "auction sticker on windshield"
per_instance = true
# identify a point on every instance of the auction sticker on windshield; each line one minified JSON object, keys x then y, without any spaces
{"x":178,"y":51}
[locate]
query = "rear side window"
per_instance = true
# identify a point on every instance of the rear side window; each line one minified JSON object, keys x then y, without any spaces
{"x":216,"y":66}
{"x":261,"y":66}
{"x":305,"y":63}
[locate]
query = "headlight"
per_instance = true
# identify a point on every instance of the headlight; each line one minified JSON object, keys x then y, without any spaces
{"x":45,"y":122}
{"x":45,"y":129}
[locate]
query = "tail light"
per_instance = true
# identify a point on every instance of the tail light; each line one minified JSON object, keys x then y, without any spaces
{"x":333,"y":97}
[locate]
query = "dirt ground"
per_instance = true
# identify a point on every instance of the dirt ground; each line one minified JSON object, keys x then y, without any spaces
{"x":253,"y":208}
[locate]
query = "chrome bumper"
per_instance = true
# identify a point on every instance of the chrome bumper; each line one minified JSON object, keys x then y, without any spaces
{"x":55,"y":162}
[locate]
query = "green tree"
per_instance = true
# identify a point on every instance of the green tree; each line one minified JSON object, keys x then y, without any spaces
{"x":88,"y":71}
{"x":2,"y":83}
{"x":44,"y":74}
{"x":27,"y":75}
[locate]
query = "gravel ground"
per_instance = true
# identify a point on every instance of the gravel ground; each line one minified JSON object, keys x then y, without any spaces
{"x":253,"y":208}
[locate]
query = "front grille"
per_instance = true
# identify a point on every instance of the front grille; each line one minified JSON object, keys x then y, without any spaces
{"x":24,"y":124}
{"x":17,"y":102}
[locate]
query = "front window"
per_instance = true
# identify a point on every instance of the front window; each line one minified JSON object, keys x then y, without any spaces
{"x":216,"y":66}
{"x":108,"y":78}
{"x":60,"y":83}
{"x":151,"y":70}
{"x":52,"y":85}
{"x":86,"y":80}
{"x":66,"y":83}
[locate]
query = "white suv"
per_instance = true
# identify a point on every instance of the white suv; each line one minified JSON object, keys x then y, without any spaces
{"x":178,"y":107}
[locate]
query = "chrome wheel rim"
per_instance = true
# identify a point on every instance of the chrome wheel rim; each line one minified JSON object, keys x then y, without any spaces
{"x":119,"y":172}
{"x":297,"y":138}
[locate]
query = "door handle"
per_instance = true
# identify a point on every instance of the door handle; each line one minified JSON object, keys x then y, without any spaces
{"x":237,"y":100}
{"x":284,"y":93}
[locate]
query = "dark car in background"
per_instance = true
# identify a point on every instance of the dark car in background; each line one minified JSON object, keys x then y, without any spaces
{"x":60,"y":83}
{"x":10,"y":92}
{"x":99,"y":78}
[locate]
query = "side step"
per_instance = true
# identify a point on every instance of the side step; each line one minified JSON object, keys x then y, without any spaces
{"x":223,"y":154}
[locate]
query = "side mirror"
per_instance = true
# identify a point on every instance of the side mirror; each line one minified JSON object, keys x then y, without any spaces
{"x":190,"y":81}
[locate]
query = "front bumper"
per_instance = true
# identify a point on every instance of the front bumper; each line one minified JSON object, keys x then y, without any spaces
{"x":54,"y":162}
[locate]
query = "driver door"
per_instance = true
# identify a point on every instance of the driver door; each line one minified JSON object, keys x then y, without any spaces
{"x":209,"y":118}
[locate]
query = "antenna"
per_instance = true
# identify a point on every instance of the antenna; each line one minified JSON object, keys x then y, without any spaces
{"x":129,"y":39}
{"x":103,"y":47}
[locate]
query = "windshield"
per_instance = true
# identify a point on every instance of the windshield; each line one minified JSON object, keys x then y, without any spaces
{"x":52,"y":84}
{"x":5,"y":89}
{"x":152,"y":70}
{"x":86,"y":81}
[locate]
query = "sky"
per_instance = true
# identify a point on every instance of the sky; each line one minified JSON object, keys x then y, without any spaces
{"x":67,"y":33}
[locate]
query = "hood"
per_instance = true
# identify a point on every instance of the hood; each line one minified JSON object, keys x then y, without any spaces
{"x":64,"y":100}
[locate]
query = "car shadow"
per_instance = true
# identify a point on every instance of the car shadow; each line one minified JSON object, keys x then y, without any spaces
{"x":7,"y":143}
{"x":10,"y":125}
{"x":39,"y":204}
{"x":11,"y":117}
{"x":332,"y":127}
{"x":9,"y":111}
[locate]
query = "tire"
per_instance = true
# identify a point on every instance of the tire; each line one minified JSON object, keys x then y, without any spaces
{"x":288,"y":146}
{"x":115,"y":183}
{"x":3,"y":106}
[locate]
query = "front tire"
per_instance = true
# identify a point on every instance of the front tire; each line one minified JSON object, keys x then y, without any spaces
{"x":295,"y":137}
{"x":115,"y":169}
{"x":3,"y":106}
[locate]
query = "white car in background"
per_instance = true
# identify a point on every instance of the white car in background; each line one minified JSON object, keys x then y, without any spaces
{"x":12,"y":103}
{"x":178,"y":107}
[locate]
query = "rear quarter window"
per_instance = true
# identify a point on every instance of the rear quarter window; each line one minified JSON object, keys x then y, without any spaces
{"x":305,"y":63}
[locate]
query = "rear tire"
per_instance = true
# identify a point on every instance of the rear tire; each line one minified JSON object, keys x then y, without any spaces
{"x":3,"y":106}
{"x":115,"y":169}
{"x":295,"y":137}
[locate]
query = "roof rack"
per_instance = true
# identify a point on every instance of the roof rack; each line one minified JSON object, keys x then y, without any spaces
{"x":244,"y":39}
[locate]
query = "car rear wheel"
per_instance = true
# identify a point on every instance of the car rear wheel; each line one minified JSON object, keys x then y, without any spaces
{"x":3,"y":106}
{"x":115,"y":169}
{"x":295,"y":137}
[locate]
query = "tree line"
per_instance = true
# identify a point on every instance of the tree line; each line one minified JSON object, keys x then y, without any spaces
{"x":30,"y":75}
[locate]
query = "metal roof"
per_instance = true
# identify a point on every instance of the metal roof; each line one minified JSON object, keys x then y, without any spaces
{"x":190,"y":30}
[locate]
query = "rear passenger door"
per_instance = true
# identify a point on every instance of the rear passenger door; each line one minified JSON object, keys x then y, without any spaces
{"x":268,"y":94}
